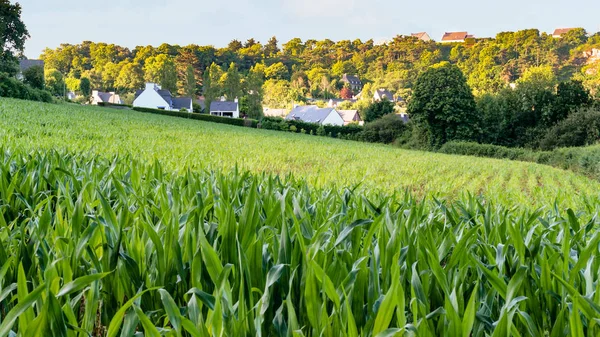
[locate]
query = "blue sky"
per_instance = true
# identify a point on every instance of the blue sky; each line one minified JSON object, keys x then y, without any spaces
{"x":141,"y":22}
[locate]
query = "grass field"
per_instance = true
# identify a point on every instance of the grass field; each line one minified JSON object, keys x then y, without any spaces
{"x":111,"y":226}
{"x":180,"y":144}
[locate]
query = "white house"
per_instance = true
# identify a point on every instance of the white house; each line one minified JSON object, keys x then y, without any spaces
{"x":225,"y":108}
{"x":314,"y":114}
{"x":423,"y":36}
{"x":154,"y":97}
{"x":351,"y":116}
{"x":383,"y":94}
{"x":268,"y":112}
{"x":105,"y":97}
{"x":455,"y":37}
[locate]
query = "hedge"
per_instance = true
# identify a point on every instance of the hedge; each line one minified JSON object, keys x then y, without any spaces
{"x":11,"y":87}
{"x":110,"y":105}
{"x":278,"y":123}
{"x":584,"y":160}
{"x":253,"y":123}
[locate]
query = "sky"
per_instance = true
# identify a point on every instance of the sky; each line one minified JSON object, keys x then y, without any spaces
{"x":131,"y":23}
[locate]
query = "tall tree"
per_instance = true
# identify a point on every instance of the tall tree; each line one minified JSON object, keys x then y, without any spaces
{"x":210,"y":85}
{"x":231,"y":84}
{"x":55,"y":82}
{"x":13,"y":34}
{"x":131,"y":77}
{"x":161,"y":69}
{"x":34,"y":76}
{"x":444,"y":106}
{"x":271,"y":48}
{"x":190,"y":86}
{"x":85,"y":87}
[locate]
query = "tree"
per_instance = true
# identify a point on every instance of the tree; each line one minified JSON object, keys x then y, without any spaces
{"x":34,"y":76}
{"x":570,"y":96}
{"x":378,"y":110}
{"x":13,"y":35}
{"x":131,"y":77}
{"x":271,"y":48}
{"x":210,"y":84}
{"x":161,"y":69}
{"x":346,"y":93}
{"x":190,"y":87}
{"x":444,"y":106}
{"x":55,"y":82}
{"x":342,"y":67}
{"x":231,"y":84}
{"x":235,"y":45}
{"x":251,"y":102}
{"x":276,"y":94}
{"x":276,"y":71}
{"x":85,"y":87}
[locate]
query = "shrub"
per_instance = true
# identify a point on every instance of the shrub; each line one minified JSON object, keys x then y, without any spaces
{"x":384,"y":130}
{"x":11,"y":87}
{"x":579,"y":129}
{"x":302,"y":131}
{"x":293,"y":128}
{"x":203,"y":117}
{"x":321,"y":131}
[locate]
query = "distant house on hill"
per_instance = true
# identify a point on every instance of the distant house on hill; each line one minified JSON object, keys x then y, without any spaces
{"x":353,"y":81}
{"x":268,"y":112}
{"x":225,"y":108}
{"x":314,"y":114}
{"x":383,"y":94}
{"x":592,"y":55}
{"x":335,"y":102}
{"x":454,"y":37}
{"x":423,"y":36}
{"x":559,"y":32}
{"x":350,"y":116}
{"x":105,"y":97}
{"x":26,"y":64}
{"x":154,"y":97}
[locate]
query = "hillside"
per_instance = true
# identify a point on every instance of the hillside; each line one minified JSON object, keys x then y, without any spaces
{"x":181,"y":144}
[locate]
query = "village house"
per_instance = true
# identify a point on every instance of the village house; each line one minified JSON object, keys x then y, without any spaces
{"x":383,"y":94}
{"x":26,"y":64}
{"x":351,"y":116}
{"x":154,"y":97}
{"x":592,"y":55}
{"x":225,"y":108}
{"x":455,"y":37}
{"x":105,"y":97}
{"x":559,"y":32}
{"x":335,"y":102}
{"x":314,"y":114}
{"x":353,"y":81}
{"x":423,"y":36}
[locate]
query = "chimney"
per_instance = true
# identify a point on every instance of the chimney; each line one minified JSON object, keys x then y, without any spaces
{"x":222,"y":98}
{"x":94,"y":92}
{"x":235,"y":100}
{"x":151,"y":86}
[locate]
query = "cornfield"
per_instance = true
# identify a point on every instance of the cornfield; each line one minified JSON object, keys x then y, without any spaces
{"x":113,"y":244}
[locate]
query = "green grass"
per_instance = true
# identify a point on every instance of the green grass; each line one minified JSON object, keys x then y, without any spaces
{"x":181,"y":144}
{"x":111,"y":226}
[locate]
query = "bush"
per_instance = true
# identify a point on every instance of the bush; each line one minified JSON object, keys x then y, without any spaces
{"x":106,"y":104}
{"x":581,"y":128}
{"x":11,"y":87}
{"x":293,"y":128}
{"x":203,"y":117}
{"x":384,"y":130}
{"x":321,"y":131}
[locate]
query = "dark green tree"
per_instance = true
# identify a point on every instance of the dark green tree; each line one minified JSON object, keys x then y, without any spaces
{"x":34,"y":76}
{"x":231,"y":85}
{"x":378,"y":110}
{"x":13,"y":35}
{"x":190,"y":82}
{"x":85,"y":86}
{"x":444,"y":106}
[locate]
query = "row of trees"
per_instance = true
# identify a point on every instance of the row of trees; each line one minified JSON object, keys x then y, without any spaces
{"x":314,"y":68}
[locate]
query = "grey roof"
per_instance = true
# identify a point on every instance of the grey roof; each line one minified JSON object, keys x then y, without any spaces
{"x":26,"y":64}
{"x":166,"y":95}
{"x":202,"y":102}
{"x":386,"y":93}
{"x":223,"y":106}
{"x":138,"y":93}
{"x":182,"y":102}
{"x":351,"y":79}
{"x":309,"y":114}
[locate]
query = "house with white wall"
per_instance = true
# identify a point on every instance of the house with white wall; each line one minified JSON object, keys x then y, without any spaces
{"x":225,"y":108}
{"x":314,"y":114}
{"x":105,"y":97}
{"x":154,"y":97}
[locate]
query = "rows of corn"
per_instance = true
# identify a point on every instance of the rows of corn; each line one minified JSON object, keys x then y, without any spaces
{"x":91,"y":246}
{"x":181,"y":144}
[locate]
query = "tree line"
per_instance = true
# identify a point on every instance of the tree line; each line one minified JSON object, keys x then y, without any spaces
{"x":265,"y":73}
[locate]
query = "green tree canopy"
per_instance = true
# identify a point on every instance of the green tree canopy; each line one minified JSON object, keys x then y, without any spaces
{"x":34,"y":76}
{"x":13,"y":35}
{"x":444,"y":106}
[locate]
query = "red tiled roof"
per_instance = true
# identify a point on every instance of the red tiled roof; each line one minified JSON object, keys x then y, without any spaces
{"x":455,"y":36}
{"x":418,"y":35}
{"x":561,"y":31}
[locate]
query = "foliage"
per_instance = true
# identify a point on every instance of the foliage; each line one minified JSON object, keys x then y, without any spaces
{"x":34,"y":77}
{"x":55,"y":82}
{"x":85,"y":87}
{"x":161,"y":69}
{"x":443,"y":104}
{"x":140,"y":245}
{"x":202,"y":117}
{"x":11,"y":87}
{"x":384,"y":130}
{"x":581,"y":128}
{"x":377,"y":110}
{"x":13,"y":35}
